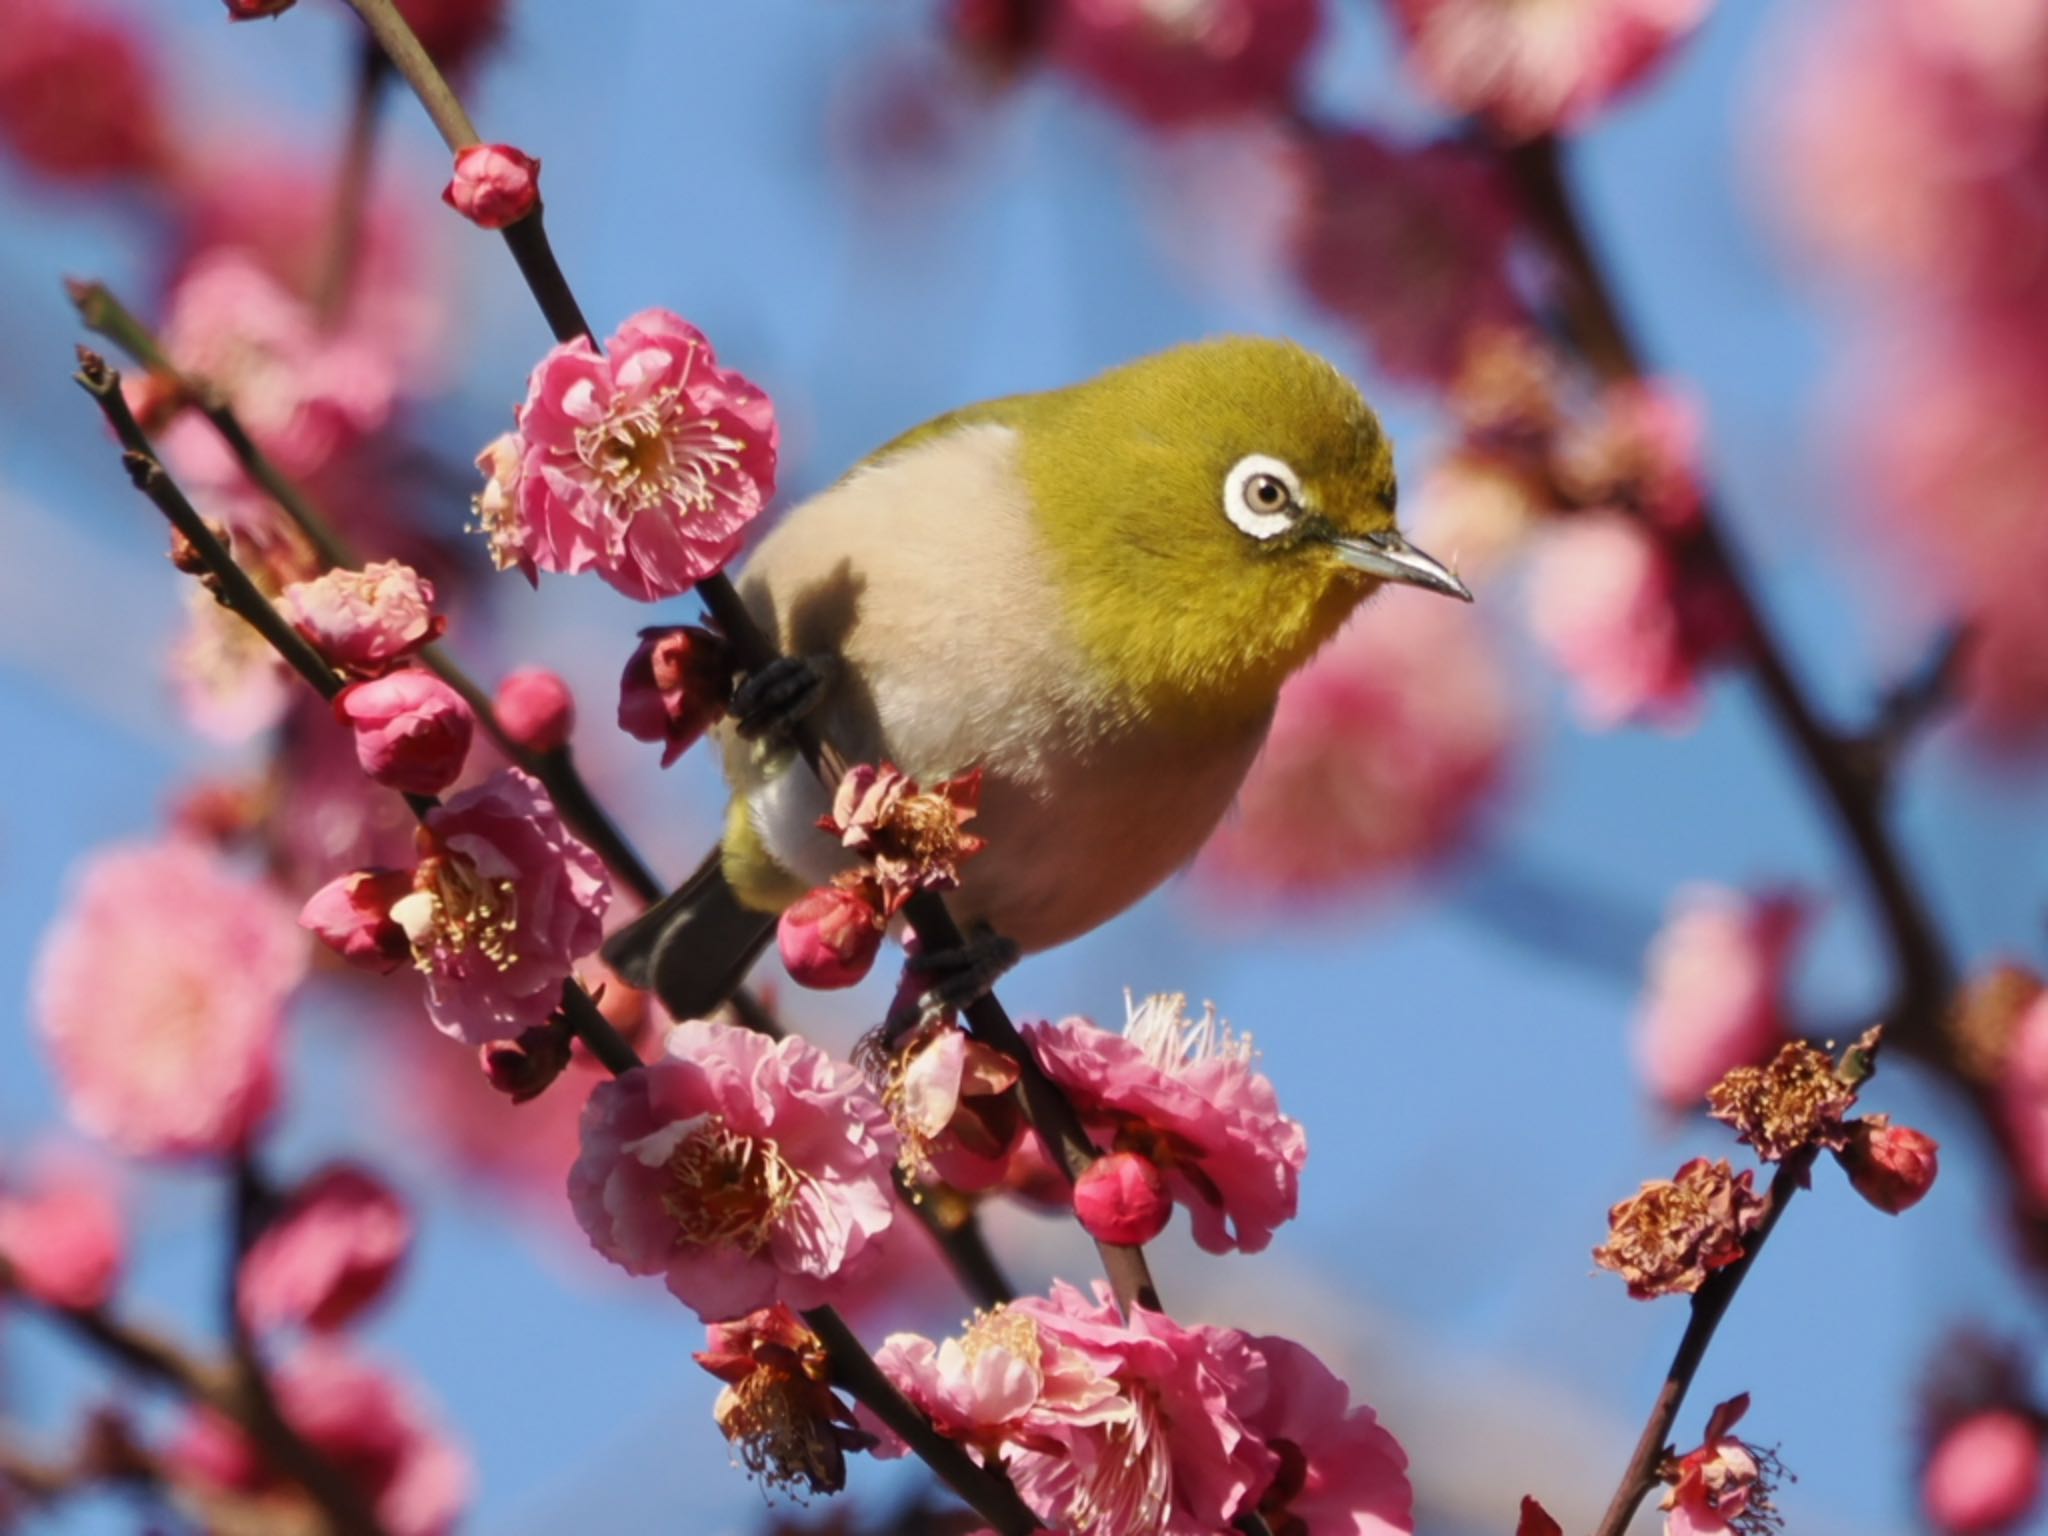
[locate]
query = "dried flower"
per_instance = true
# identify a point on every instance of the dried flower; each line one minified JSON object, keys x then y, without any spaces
{"x":1892,"y":1166}
{"x":329,"y":1254}
{"x":1798,"y":1101}
{"x":829,"y":936}
{"x":1672,"y":1233}
{"x":535,"y":708}
{"x":524,"y":1068}
{"x":914,"y":840}
{"x":778,"y":1409}
{"x":412,"y":730}
{"x":365,"y":621}
{"x":494,"y":185}
{"x":674,"y":688}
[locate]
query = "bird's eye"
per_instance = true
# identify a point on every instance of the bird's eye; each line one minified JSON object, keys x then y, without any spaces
{"x":1261,"y":495}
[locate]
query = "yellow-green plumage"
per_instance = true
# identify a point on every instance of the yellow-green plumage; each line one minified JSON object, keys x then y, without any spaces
{"x":1056,"y":589}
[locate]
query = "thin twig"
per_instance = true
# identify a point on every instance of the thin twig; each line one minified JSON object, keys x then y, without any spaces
{"x":1709,"y":1305}
{"x":340,"y":260}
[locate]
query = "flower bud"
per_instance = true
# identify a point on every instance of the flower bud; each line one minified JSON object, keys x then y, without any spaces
{"x":1892,"y":1166}
{"x":412,"y":730}
{"x":328,"y":1255}
{"x":524,"y":1068}
{"x":1985,"y":1473}
{"x":1122,"y":1198}
{"x":1536,"y":1520}
{"x":351,"y":914}
{"x":674,"y":688}
{"x":256,"y":10}
{"x":829,"y":937}
{"x":536,"y":709}
{"x":494,"y":185}
{"x":61,"y":1237}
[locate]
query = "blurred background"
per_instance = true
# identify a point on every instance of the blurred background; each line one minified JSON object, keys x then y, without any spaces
{"x":1437,"y":909}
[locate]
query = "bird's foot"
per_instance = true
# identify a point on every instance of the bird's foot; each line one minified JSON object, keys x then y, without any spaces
{"x":768,"y":702}
{"x":958,"y":978}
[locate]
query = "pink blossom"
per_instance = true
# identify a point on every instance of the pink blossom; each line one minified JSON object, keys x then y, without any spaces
{"x":1122,"y":1198}
{"x":951,"y":1099}
{"x":1532,"y":70}
{"x":351,"y":915}
{"x":2022,"y":1088}
{"x":1172,"y":62}
{"x":329,"y":1254}
{"x":61,"y":1234}
{"x":454,"y":32}
{"x":1606,"y":600}
{"x":1410,"y":247}
{"x":1383,"y":757}
{"x":1892,"y":1166}
{"x":645,"y":463}
{"x":911,"y":839}
{"x":829,"y":937}
{"x":230,"y":684}
{"x":674,"y":688}
{"x":304,"y":391}
{"x":257,"y":10}
{"x":367,"y":1422}
{"x":338,"y":820}
{"x":1985,"y":1473}
{"x":1185,"y":1093}
{"x":1714,"y":998}
{"x":412,"y":730}
{"x":747,"y":1171}
{"x":536,"y":709}
{"x":160,"y":992}
{"x":80,"y":95}
{"x":504,"y":903}
{"x":1341,"y":1472}
{"x":365,"y":621}
{"x":494,"y":185}
{"x":1720,"y":1482}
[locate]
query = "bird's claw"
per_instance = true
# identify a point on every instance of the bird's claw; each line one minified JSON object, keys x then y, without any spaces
{"x":768,"y":702}
{"x":958,"y":978}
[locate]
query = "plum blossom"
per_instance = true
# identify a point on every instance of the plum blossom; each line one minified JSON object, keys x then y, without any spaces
{"x":412,"y":731}
{"x":1892,"y":1166}
{"x":950,"y":1099}
{"x":829,"y":937}
{"x":1714,"y":998}
{"x":61,"y":1233}
{"x":1172,"y":62}
{"x":80,"y":96}
{"x":160,"y":993}
{"x":494,"y":185}
{"x":1383,"y":757}
{"x":1341,"y":1472}
{"x":1985,"y":1473}
{"x":367,"y":1422}
{"x":536,"y":709}
{"x":674,"y":688}
{"x":364,"y":622}
{"x":778,"y":1409}
{"x":1724,"y":1485}
{"x":2022,"y":1090}
{"x":1799,"y":1099}
{"x":1538,"y":69}
{"x":644,"y":463}
{"x":1672,"y":1233}
{"x":1184,"y":1093}
{"x":351,"y":915}
{"x":230,"y":684}
{"x":328,"y":1255}
{"x":454,"y":32}
{"x":744,"y":1170}
{"x":501,"y":906}
{"x":912,"y":839}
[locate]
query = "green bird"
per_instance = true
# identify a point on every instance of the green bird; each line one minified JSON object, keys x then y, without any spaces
{"x":1093,"y":595}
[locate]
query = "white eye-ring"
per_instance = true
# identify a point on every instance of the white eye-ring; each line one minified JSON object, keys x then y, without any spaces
{"x":1261,"y":495}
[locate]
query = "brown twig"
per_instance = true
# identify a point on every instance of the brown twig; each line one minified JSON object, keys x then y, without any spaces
{"x":1129,"y":1275}
{"x":1924,"y":971}
{"x":1709,"y":1305}
{"x":339,"y":261}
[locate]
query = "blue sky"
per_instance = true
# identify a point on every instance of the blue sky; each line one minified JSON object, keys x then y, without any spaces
{"x":1469,"y":1103}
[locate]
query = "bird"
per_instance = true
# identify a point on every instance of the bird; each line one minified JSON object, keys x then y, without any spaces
{"x":1091,"y":595}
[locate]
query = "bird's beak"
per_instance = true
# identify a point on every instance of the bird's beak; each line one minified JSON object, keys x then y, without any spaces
{"x":1392,"y":558}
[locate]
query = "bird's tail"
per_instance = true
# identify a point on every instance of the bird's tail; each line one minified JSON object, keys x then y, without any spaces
{"x":694,"y":947}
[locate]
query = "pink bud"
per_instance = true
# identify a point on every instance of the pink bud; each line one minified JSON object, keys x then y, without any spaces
{"x":1536,"y":1521}
{"x":253,"y":10}
{"x":536,"y":709}
{"x":62,"y":1236}
{"x":1122,"y":1198}
{"x":829,"y":937}
{"x":1985,"y":1473}
{"x":1892,"y":1166}
{"x":495,"y":185}
{"x":328,"y":1255}
{"x":412,"y":730}
{"x":352,"y":916}
{"x":674,"y":688}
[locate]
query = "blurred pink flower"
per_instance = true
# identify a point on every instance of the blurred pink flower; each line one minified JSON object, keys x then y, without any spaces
{"x":494,"y":185}
{"x":1122,"y":1198}
{"x":303,"y":390}
{"x":2022,"y":1085}
{"x":745,"y":1170}
{"x":1607,"y":601}
{"x":644,"y":464}
{"x":160,"y":991}
{"x":455,"y":31}
{"x":364,"y":1420}
{"x":1384,"y":755}
{"x":674,"y":688}
{"x":328,"y":1255}
{"x":61,"y":1233}
{"x":1410,"y":247}
{"x":1714,"y":998}
{"x":1185,"y":1093}
{"x":1538,"y":69}
{"x":536,"y":709}
{"x":80,"y":97}
{"x":1984,"y":1475}
{"x":365,"y":621}
{"x":229,"y":683}
{"x":412,"y":731}
{"x":1341,"y":1472}
{"x":504,"y":903}
{"x":1639,"y":449}
{"x":1171,"y":62}
{"x":1719,"y":1483}
{"x":326,"y":818}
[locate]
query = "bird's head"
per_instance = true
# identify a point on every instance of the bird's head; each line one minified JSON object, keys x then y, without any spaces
{"x":1216,"y":511}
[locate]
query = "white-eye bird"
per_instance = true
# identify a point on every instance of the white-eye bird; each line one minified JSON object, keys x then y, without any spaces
{"x":1093,"y":595}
